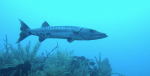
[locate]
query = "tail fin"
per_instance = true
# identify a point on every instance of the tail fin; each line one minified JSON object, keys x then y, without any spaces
{"x":23,"y":29}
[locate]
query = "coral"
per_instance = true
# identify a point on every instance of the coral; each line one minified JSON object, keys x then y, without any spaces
{"x":106,"y":68}
{"x":1,"y":58}
{"x":98,"y":67}
{"x":58,"y":64}
{"x":12,"y":57}
{"x":37,"y":73}
{"x":103,"y":68}
{"x":82,"y":70}
{"x":25,"y":61}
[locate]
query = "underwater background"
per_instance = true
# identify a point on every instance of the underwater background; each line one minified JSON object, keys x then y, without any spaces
{"x":126,"y":22}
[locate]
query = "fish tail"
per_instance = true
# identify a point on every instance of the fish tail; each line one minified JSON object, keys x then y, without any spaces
{"x":23,"y":29}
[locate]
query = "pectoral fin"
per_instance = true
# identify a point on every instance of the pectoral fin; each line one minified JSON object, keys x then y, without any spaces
{"x":70,"y":40}
{"x":41,"y":39}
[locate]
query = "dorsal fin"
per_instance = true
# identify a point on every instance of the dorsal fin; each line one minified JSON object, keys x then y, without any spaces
{"x":45,"y":24}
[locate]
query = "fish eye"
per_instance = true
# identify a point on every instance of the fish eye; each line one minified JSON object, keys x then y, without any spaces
{"x":91,"y":30}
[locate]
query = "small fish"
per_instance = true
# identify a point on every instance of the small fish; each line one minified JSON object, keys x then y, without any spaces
{"x":70,"y":33}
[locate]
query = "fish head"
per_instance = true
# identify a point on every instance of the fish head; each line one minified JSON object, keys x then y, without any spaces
{"x":90,"y":34}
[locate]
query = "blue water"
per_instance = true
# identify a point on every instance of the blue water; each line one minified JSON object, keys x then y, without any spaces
{"x":126,"y":22}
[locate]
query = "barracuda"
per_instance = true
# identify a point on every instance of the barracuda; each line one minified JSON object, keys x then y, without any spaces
{"x":70,"y":33}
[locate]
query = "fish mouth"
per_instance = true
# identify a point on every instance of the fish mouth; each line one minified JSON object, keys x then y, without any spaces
{"x":99,"y":36}
{"x":105,"y":35}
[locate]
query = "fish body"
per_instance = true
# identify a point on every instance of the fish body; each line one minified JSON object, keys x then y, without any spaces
{"x":70,"y":33}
